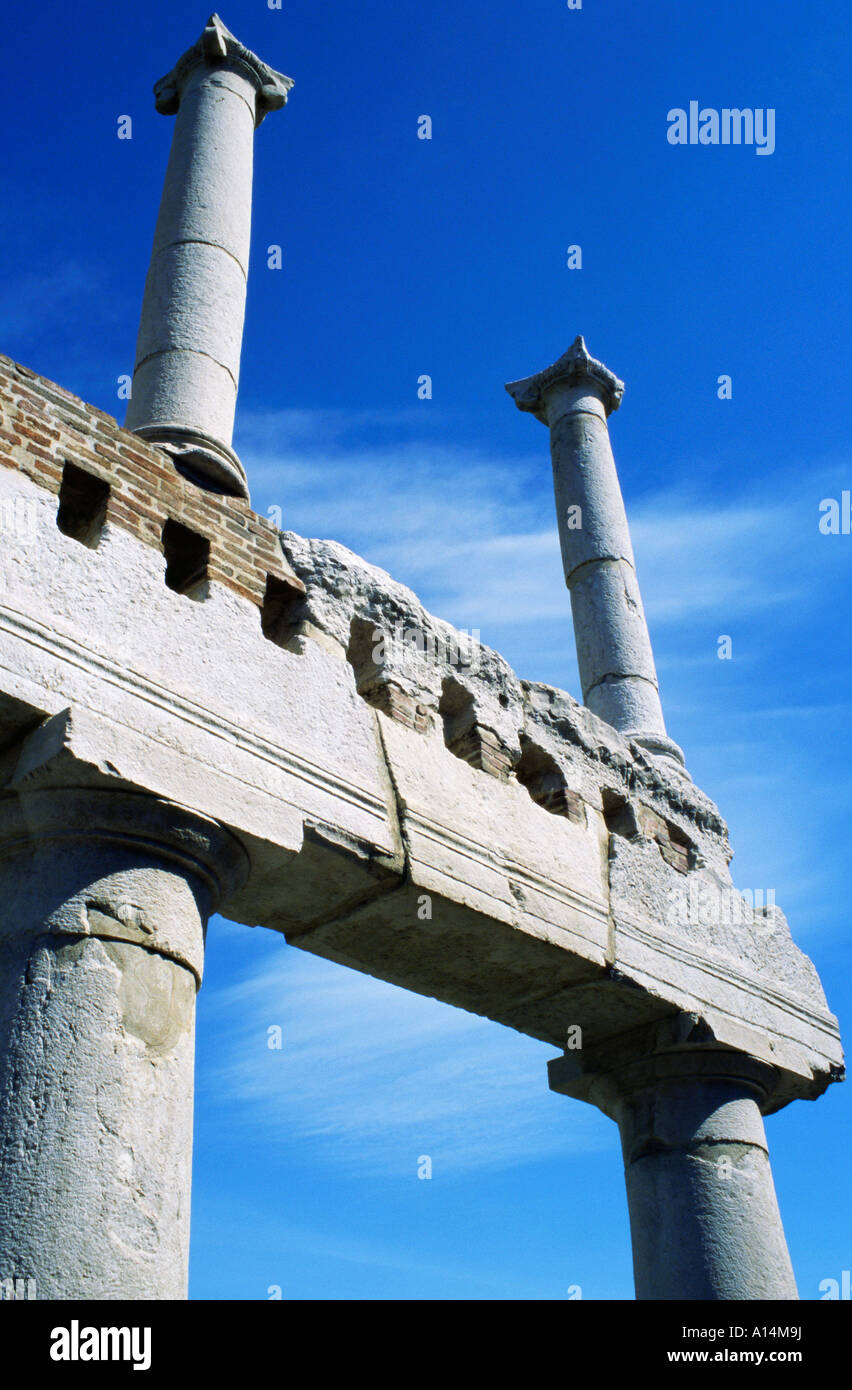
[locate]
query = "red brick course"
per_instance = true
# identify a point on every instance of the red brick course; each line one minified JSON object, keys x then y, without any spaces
{"x":43,"y":427}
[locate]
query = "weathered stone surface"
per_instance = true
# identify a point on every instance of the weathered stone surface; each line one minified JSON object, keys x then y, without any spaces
{"x":703,"y":1211}
{"x":190,"y":335}
{"x":113,"y":679}
{"x":573,"y":398}
{"x":104,"y":898}
{"x":406,"y":804}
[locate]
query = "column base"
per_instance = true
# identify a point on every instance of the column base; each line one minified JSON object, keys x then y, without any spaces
{"x":660,"y":746}
{"x":205,"y":461}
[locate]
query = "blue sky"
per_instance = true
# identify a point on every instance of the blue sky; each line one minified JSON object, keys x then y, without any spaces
{"x":448,"y":257}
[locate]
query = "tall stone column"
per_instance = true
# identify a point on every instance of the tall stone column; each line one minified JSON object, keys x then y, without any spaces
{"x":184,"y":389}
{"x":573,"y":398}
{"x":704,"y":1217}
{"x":104,"y":900}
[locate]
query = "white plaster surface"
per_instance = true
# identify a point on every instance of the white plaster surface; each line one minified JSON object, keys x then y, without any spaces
{"x":113,"y":679}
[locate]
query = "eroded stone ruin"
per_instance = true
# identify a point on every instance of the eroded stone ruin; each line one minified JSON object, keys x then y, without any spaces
{"x":200,"y":713}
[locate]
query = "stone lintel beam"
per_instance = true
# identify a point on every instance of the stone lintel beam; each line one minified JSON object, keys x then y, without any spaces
{"x":574,"y":397}
{"x":104,"y":901}
{"x":188,"y":350}
{"x":704,"y":1216}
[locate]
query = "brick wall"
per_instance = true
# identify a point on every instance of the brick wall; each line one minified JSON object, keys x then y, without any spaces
{"x":43,"y":427}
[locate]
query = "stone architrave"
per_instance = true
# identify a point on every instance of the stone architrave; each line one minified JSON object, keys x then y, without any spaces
{"x":185,"y":380}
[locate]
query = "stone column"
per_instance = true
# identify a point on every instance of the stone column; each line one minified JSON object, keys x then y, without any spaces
{"x":704,"y":1217}
{"x":573,"y":398}
{"x":104,"y":900}
{"x":188,"y":351}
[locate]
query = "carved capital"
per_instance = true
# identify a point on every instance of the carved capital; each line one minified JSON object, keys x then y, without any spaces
{"x":117,"y":864}
{"x":218,"y":47}
{"x":573,"y":367}
{"x":679,"y":1049}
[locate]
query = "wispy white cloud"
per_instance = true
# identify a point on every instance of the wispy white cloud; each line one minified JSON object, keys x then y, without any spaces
{"x":373,"y":1075}
{"x":476,"y":535}
{"x":724,"y":559}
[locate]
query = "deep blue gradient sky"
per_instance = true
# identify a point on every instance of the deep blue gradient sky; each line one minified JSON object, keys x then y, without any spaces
{"x":448,"y":257}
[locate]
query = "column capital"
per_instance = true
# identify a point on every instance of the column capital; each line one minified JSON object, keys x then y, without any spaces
{"x":704,"y":1216}
{"x":573,"y":367}
{"x":218,"y":46}
{"x":677,"y":1050}
{"x":104,"y":862}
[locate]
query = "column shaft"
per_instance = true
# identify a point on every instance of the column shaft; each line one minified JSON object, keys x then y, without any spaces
{"x":104,"y":899}
{"x":704,"y":1217}
{"x":614,"y":657}
{"x":573,"y":397}
{"x":187,"y":368}
{"x":190,"y":335}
